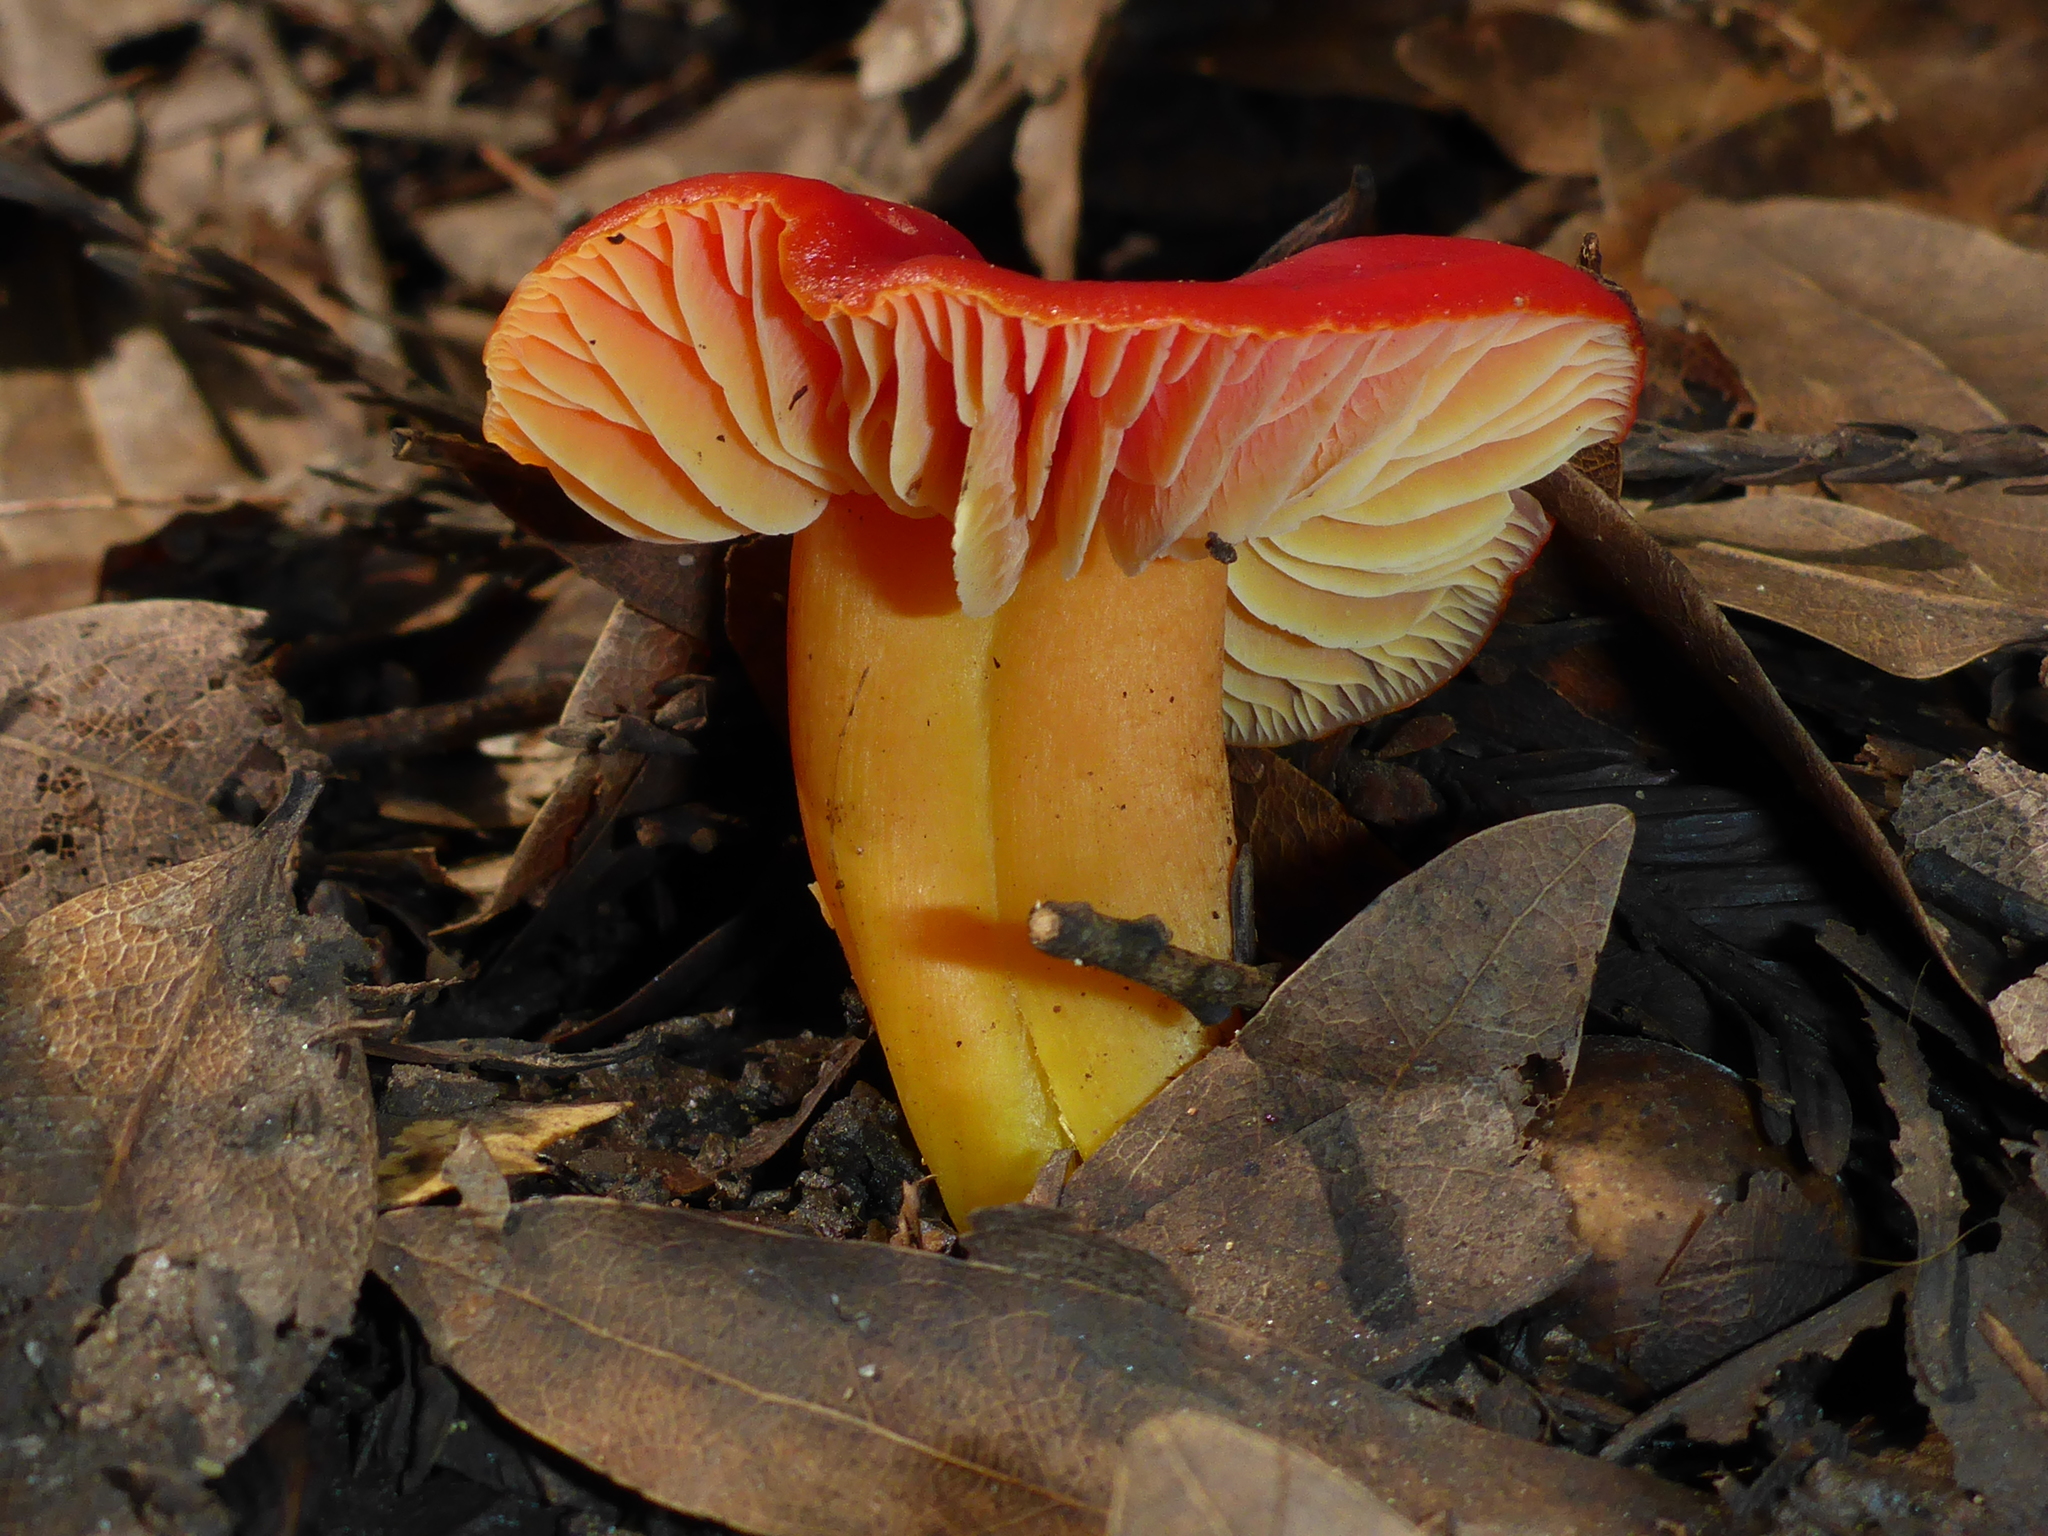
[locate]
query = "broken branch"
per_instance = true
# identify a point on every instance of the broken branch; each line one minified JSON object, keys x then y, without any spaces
{"x":1142,"y":950}
{"x":444,"y":727}
{"x":1856,"y":453}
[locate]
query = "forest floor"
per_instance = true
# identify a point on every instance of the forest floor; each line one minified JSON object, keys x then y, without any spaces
{"x":379,"y":887}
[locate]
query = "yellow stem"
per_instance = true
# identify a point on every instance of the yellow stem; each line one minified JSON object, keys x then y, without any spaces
{"x":953,"y":771}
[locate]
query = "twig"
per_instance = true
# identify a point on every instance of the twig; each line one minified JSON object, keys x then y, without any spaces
{"x":1856,"y":453}
{"x":35,"y":127}
{"x":1349,"y":213}
{"x":529,"y":183}
{"x":193,"y":501}
{"x":340,"y":212}
{"x":1142,"y":949}
{"x":444,"y":727}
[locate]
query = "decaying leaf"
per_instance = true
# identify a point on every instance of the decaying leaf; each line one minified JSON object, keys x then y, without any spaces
{"x":1533,"y":80}
{"x":810,"y":1388}
{"x":1704,"y":1236}
{"x":1881,"y":589}
{"x":412,"y":1167}
{"x":906,"y":42}
{"x":101,"y":437}
{"x":50,"y":67}
{"x":1996,"y":1415}
{"x":1349,"y":1175}
{"x":1857,"y":311}
{"x":1194,"y":1472}
{"x":187,"y":1197}
{"x":1991,"y":815}
{"x":1721,"y":1406}
{"x":1029,"y":64}
{"x":133,"y":736}
{"x":799,"y":124}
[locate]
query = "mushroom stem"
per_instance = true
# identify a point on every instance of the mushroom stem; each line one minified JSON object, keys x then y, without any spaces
{"x":955,"y":771}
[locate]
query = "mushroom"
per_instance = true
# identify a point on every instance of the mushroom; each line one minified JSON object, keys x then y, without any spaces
{"x":1046,"y":532}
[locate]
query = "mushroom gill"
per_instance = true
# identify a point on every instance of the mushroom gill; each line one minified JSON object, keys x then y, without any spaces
{"x":704,"y":382}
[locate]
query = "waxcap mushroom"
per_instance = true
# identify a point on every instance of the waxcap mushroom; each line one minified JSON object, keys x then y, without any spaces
{"x":727,"y":354}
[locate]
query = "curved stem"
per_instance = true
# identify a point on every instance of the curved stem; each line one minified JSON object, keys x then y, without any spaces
{"x":954,"y":772}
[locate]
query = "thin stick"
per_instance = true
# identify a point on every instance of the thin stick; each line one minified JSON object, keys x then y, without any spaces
{"x":1142,"y":950}
{"x":1857,"y":453}
{"x":444,"y":727}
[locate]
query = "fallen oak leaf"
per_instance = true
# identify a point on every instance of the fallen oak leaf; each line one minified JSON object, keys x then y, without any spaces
{"x":1704,"y":1236}
{"x":1882,"y":590}
{"x":1720,"y":1406}
{"x":411,"y":1169}
{"x":186,"y":1204}
{"x":1533,"y":80}
{"x":1349,"y":1175}
{"x":817,"y":1388}
{"x":1188,"y":1471}
{"x":132,"y":736}
{"x":1838,"y":311}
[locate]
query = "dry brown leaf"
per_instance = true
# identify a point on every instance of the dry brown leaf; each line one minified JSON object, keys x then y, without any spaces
{"x":95,"y":450}
{"x":1533,"y":81}
{"x":187,"y":1197}
{"x":1881,"y":589}
{"x":799,"y":124}
{"x":1030,"y":62}
{"x":1314,"y":864}
{"x":132,"y":736}
{"x":1350,"y":1174}
{"x":1989,"y":813}
{"x":1857,"y":311}
{"x":1996,"y":1415}
{"x":1190,"y":1472}
{"x":1650,"y":580}
{"x":50,"y":67}
{"x":906,"y":42}
{"x":1032,"y":54}
{"x":812,"y":1388}
{"x":1721,"y":1405}
{"x":412,"y":1169}
{"x":1704,"y":1236}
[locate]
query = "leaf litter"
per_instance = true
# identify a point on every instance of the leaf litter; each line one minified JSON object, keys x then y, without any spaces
{"x":144,"y":737}
{"x":1338,"y":1175}
{"x":189,"y":1201}
{"x":818,"y":1384}
{"x":1813,"y":210}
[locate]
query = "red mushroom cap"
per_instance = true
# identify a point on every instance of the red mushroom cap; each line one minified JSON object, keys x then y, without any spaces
{"x":726,"y":354}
